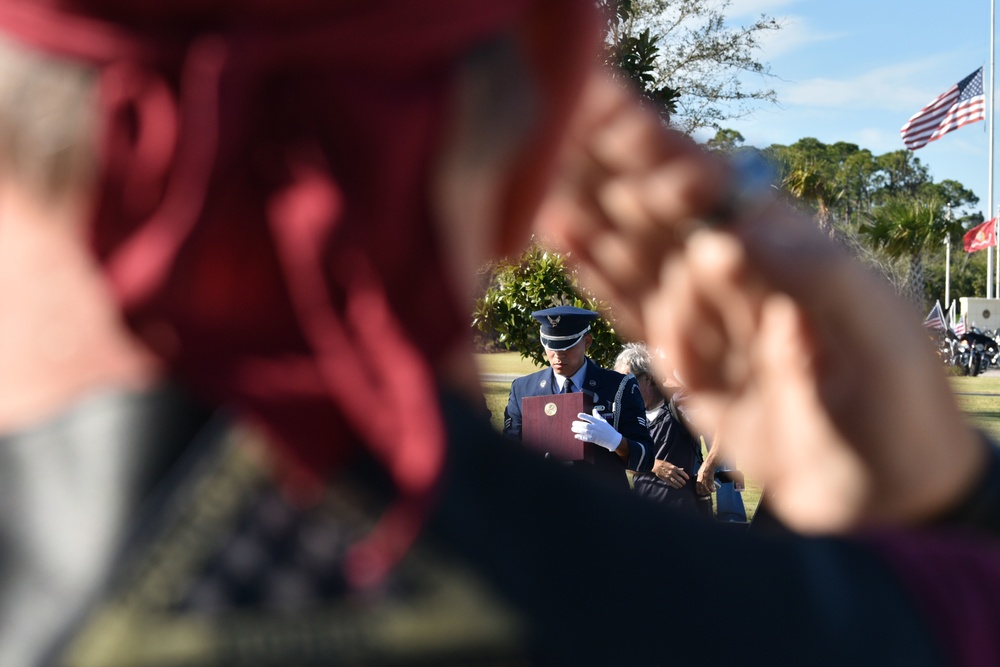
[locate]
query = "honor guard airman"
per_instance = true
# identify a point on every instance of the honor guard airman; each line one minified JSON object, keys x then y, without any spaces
{"x":618,"y":422}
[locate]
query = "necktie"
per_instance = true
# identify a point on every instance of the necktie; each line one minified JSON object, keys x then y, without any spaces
{"x":568,"y":387}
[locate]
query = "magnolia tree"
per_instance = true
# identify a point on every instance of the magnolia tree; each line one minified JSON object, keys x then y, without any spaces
{"x":538,"y":279}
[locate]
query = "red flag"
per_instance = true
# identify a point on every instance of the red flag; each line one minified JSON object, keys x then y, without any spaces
{"x":981,"y":236}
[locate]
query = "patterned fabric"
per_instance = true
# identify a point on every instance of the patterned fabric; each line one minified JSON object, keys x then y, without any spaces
{"x":229,"y":571}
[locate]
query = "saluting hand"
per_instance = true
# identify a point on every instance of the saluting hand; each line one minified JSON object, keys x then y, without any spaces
{"x":767,"y":320}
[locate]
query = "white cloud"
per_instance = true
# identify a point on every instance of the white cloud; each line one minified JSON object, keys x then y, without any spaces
{"x":900,"y":87}
{"x":794,"y":34}
{"x":876,"y":139}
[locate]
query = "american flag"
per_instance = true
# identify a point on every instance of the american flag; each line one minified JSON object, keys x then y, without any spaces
{"x":960,"y":105}
{"x":956,"y":323}
{"x":935,"y":318}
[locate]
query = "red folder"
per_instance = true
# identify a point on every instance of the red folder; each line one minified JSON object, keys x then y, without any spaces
{"x":546,"y":425}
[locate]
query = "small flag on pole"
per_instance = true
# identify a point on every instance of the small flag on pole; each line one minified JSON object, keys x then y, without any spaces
{"x":960,"y":105}
{"x":981,"y":236}
{"x":935,"y":318}
{"x":955,"y":323}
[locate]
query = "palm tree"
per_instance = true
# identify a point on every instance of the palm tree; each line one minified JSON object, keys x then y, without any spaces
{"x":903,"y":228}
{"x":806,"y":182}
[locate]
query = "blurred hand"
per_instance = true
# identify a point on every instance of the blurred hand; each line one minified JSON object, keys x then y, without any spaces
{"x":817,"y":378}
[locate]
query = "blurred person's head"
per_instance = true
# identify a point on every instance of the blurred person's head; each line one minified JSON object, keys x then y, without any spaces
{"x":47,"y":124}
{"x":288,"y":200}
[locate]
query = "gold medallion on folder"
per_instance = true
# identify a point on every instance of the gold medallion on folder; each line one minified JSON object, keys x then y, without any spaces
{"x":546,"y":425}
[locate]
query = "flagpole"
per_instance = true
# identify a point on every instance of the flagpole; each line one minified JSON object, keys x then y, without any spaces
{"x":947,"y":261}
{"x":989,"y":196}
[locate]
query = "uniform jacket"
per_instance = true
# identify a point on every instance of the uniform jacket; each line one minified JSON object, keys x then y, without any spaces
{"x":602,"y":385}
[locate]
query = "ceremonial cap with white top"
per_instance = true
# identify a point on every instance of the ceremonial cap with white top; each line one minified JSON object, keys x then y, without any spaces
{"x":563,"y":326}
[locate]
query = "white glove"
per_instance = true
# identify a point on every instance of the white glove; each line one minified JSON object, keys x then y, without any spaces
{"x":597,"y":430}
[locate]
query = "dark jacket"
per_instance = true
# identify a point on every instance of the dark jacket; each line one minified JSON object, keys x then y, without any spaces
{"x":674,"y":444}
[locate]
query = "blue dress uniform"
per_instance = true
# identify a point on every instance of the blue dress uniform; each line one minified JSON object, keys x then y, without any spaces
{"x":616,"y":397}
{"x":603,"y":385}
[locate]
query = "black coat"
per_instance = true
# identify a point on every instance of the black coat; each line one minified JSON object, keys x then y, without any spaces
{"x":674,"y":444}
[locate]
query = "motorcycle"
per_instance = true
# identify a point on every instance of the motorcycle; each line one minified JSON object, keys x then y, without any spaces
{"x":978,"y":352}
{"x":952,"y":350}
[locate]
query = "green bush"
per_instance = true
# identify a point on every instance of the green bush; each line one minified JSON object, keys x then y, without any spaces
{"x":538,"y":279}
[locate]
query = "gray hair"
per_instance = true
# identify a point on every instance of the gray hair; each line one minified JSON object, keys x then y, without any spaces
{"x":635,"y":359}
{"x":47,"y":125}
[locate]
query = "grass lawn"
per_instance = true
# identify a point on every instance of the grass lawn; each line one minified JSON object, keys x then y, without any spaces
{"x":978,"y":397}
{"x":505,"y":362}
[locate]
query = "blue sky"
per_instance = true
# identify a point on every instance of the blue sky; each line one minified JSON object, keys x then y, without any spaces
{"x":856,"y":70}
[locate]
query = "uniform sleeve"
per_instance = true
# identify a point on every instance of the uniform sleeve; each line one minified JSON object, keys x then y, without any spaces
{"x":633,"y":427}
{"x":512,"y":414}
